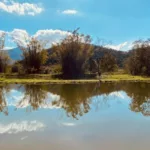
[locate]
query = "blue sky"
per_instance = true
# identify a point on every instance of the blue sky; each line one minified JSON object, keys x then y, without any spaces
{"x":113,"y":20}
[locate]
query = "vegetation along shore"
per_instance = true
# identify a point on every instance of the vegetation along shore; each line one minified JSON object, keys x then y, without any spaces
{"x":48,"y":79}
{"x":74,"y":60}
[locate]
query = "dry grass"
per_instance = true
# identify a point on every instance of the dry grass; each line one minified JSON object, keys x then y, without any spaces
{"x":48,"y":79}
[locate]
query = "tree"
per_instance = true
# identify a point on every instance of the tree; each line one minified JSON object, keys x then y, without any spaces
{"x":4,"y":58}
{"x":74,"y":52}
{"x":34,"y":56}
{"x":108,"y":63}
{"x":94,"y":66}
{"x":139,"y":62}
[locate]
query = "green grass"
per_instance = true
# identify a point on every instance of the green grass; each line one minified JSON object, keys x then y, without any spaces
{"x":14,"y":78}
{"x":125,"y":77}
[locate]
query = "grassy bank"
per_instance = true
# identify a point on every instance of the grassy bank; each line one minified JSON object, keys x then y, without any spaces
{"x":14,"y":78}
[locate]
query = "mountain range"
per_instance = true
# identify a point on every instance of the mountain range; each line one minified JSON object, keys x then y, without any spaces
{"x":15,"y":54}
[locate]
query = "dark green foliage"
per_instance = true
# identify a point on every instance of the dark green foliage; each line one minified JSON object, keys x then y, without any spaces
{"x":98,"y":52}
{"x":74,"y":52}
{"x":120,"y":56}
{"x":108,"y":63}
{"x":139,"y":62}
{"x":17,"y":68}
{"x":34,"y":56}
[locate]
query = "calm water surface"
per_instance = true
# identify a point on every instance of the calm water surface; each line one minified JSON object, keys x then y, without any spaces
{"x":112,"y":116}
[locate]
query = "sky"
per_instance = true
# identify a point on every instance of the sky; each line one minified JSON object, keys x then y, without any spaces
{"x":117,"y":22}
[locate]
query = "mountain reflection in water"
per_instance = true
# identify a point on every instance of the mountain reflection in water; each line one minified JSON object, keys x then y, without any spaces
{"x":75,"y":99}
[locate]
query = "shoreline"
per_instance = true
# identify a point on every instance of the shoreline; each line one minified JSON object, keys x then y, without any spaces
{"x":33,"y":81}
{"x":39,"y":78}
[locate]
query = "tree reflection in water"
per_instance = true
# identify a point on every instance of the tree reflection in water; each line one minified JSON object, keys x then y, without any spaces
{"x":140,"y":97}
{"x":76,"y":99}
{"x":3,"y":103}
{"x":34,"y":96}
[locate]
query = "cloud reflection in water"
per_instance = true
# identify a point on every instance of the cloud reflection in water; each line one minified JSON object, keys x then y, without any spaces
{"x":23,"y":126}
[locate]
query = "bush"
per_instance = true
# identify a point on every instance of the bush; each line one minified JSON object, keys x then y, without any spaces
{"x":74,"y":52}
{"x":34,"y":56}
{"x":17,"y":68}
{"x":139,"y":62}
{"x":108,"y":63}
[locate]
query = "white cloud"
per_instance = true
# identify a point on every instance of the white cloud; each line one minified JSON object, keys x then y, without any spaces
{"x":8,"y":48}
{"x":122,"y":46}
{"x":20,"y":37}
{"x":47,"y":37}
{"x":2,"y":36}
{"x":16,"y":99}
{"x":50,"y":36}
{"x":70,"y":12}
{"x":46,"y":103}
{"x":68,"y":124}
{"x":23,"y":138}
{"x":20,"y":8}
{"x":24,"y":126}
{"x":2,"y":33}
{"x":118,"y":94}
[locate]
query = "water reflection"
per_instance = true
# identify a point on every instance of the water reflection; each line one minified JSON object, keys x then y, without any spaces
{"x":34,"y":95}
{"x":140,"y":96}
{"x":17,"y":127}
{"x":76,"y":100}
{"x":3,"y":104}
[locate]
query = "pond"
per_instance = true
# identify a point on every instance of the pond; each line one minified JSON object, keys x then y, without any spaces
{"x":109,"y":116}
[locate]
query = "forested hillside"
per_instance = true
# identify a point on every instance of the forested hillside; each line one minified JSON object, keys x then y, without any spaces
{"x":98,"y":53}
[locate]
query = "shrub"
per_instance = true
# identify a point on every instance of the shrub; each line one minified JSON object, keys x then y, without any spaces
{"x":34,"y":56}
{"x":139,"y":62}
{"x":74,"y":52}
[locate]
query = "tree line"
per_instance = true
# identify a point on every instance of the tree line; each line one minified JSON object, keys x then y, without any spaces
{"x":76,"y":99}
{"x":75,"y":58}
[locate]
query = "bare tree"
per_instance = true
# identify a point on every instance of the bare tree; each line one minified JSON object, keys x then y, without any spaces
{"x":34,"y":56}
{"x":4,"y":58}
{"x":95,"y":62}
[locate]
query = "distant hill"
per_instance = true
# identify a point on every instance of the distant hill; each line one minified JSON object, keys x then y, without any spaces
{"x":15,"y":54}
{"x":119,"y":55}
{"x":98,"y":53}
